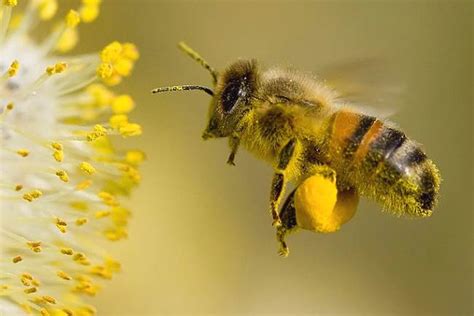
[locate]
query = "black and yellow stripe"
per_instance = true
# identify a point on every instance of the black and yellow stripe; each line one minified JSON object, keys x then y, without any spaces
{"x":382,"y":163}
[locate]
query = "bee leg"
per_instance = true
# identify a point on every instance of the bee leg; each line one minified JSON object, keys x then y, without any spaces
{"x":234,"y":142}
{"x":288,"y":220}
{"x":279,"y":181}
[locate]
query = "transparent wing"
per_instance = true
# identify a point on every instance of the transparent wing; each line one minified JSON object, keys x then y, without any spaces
{"x":370,"y":84}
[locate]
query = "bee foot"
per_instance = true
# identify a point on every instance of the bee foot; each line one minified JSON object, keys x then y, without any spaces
{"x":284,"y":252}
{"x":276,"y":223}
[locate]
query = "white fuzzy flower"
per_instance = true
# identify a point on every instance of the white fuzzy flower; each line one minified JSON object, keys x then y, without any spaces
{"x":61,"y":181}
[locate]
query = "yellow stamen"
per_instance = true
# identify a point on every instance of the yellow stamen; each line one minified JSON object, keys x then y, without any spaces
{"x":81,"y":221}
{"x":56,"y":69}
{"x":17,"y":259}
{"x":67,"y":251}
{"x":23,"y":152}
{"x":63,"y":275}
{"x":13,"y":69}
{"x":30,"y":290}
{"x":130,"y":129}
{"x":62,"y":175}
{"x":49,"y":299}
{"x":123,"y":104}
{"x":87,"y":168}
{"x":72,"y":19}
{"x":47,"y":9}
{"x":10,"y":3}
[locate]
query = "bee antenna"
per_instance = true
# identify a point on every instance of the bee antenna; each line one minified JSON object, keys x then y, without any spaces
{"x":183,"y":88}
{"x":195,"y":55}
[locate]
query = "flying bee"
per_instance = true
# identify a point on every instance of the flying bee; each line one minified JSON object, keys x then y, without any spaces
{"x":331,"y":152}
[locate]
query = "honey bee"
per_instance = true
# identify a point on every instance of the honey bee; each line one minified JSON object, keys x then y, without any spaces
{"x":331,"y":152}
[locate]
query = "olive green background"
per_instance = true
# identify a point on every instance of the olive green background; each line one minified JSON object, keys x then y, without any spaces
{"x":200,"y":239}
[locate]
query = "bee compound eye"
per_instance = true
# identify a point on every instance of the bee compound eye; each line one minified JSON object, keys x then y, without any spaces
{"x":232,"y":92}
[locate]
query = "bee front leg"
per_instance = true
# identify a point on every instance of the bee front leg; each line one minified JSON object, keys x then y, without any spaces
{"x":234,"y":142}
{"x":279,"y":180}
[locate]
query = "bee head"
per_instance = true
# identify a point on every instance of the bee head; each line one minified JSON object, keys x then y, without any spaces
{"x":232,"y":99}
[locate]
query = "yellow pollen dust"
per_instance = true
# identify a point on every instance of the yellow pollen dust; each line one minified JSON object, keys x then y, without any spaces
{"x":34,"y":245}
{"x":98,"y":131}
{"x":72,"y":19}
{"x":81,"y":221}
{"x":123,"y":104}
{"x":89,"y":10}
{"x":130,"y":129}
{"x":47,"y":9}
{"x":49,"y":299}
{"x":10,"y":3}
{"x":61,"y":225}
{"x":23,"y":152}
{"x":18,"y":187}
{"x":67,"y":251}
{"x":30,"y":290}
{"x":17,"y":259}
{"x":13,"y":69}
{"x":87,"y":168}
{"x":83,"y":185}
{"x":63,"y":275}
{"x":56,"y":69}
{"x":62,"y":175}
{"x":10,"y":106}
{"x":32,"y":195}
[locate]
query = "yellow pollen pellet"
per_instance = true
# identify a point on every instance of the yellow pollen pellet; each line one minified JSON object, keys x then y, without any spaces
{"x":18,"y":187}
{"x":17,"y":259}
{"x":81,"y":221}
{"x":49,"y":299}
{"x":67,"y":251}
{"x":13,"y":69}
{"x":23,"y":152}
{"x":10,"y":106}
{"x":63,"y":275}
{"x":58,"y":155}
{"x":72,"y":19}
{"x":30,"y":290}
{"x":87,"y":168}
{"x":10,"y":3}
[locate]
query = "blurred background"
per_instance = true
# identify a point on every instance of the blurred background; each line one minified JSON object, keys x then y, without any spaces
{"x":201,"y":240}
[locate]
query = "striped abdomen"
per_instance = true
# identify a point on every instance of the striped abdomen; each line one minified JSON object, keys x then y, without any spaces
{"x":382,"y":163}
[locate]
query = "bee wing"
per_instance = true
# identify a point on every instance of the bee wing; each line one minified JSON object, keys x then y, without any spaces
{"x":370,"y":84}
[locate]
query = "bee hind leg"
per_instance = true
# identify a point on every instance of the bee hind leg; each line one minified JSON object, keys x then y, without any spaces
{"x":279,"y":180}
{"x":288,"y":221}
